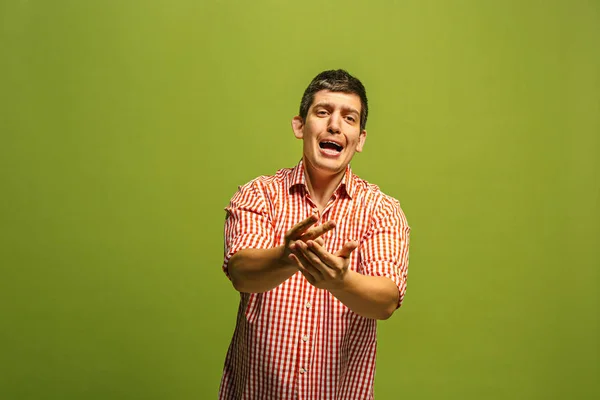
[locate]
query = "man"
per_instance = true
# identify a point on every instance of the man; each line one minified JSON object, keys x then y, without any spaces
{"x":318,"y":256}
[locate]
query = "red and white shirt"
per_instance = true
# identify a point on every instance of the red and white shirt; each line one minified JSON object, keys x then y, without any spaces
{"x":296,"y":341}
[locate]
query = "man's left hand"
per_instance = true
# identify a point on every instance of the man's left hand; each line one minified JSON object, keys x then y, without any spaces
{"x":321,"y":268}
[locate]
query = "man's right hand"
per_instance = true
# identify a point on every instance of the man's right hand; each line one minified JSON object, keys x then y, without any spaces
{"x":304,"y":231}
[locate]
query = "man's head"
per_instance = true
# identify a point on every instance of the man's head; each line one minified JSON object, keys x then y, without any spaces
{"x":336,"y":81}
{"x":331,"y":123}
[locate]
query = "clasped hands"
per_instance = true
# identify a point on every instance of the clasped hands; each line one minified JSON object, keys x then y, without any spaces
{"x":304,"y":248}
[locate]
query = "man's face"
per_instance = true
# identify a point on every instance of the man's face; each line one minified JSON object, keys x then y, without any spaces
{"x":331,"y":131}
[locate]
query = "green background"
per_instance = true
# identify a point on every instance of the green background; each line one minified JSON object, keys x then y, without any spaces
{"x":126,"y":126}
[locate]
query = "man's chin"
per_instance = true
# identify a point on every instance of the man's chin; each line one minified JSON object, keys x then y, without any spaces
{"x":329,"y":168}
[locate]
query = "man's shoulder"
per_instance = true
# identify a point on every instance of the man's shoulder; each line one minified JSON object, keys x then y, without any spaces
{"x":268,"y":182}
{"x":371,"y":191}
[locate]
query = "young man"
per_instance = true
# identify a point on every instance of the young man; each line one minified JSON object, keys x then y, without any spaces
{"x":318,"y":256}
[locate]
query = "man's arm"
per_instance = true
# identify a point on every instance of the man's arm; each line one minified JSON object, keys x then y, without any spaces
{"x":260,"y":270}
{"x":370,"y":296}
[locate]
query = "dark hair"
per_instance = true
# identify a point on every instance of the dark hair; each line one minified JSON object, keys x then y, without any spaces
{"x":337,"y":81}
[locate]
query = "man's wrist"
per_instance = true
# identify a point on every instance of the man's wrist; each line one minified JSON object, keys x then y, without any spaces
{"x":346,"y":283}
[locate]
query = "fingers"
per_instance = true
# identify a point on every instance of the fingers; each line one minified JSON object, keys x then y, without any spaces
{"x":317,"y":248}
{"x":300,"y":227}
{"x":318,"y":231}
{"x":347,"y":249}
{"x":314,"y":259}
{"x":301,"y":230}
{"x":304,"y":265}
{"x":321,"y":268}
{"x":311,"y":279}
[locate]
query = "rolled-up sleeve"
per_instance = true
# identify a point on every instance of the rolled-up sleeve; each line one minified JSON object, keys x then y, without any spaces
{"x":247,"y":222}
{"x":384,"y":250}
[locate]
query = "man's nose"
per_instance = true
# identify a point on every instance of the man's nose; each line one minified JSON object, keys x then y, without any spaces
{"x":334,"y":123}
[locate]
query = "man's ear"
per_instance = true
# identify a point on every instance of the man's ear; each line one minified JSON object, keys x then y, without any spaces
{"x":298,"y":127}
{"x":361,"y":141}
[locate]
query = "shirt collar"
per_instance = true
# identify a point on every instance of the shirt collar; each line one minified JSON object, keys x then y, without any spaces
{"x":297,"y":178}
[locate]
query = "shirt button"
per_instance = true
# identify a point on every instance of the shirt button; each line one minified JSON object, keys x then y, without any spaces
{"x":305,"y":338}
{"x":308,"y":305}
{"x":302,"y":370}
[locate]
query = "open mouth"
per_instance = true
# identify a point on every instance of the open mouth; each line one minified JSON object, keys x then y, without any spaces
{"x":329,"y":145}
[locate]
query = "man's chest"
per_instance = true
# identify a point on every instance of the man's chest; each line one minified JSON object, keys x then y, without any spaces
{"x":352,"y":218}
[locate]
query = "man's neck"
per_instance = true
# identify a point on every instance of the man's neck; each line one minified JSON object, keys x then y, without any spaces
{"x":321,"y":186}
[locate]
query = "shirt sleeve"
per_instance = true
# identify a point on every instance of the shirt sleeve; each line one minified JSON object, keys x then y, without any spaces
{"x":384,"y":251}
{"x":247,"y":222}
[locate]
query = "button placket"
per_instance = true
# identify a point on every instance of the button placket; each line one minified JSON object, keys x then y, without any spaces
{"x":304,"y":339}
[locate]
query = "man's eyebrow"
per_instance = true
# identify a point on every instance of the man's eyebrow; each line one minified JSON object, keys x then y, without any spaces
{"x":331,"y":105}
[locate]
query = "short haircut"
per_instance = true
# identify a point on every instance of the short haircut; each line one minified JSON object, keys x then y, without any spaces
{"x":337,"y":80}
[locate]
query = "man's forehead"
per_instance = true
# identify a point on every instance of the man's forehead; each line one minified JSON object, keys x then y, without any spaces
{"x":349,"y":100}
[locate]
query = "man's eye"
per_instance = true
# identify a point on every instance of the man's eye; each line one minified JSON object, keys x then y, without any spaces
{"x":322,"y":112}
{"x":351,"y":119}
